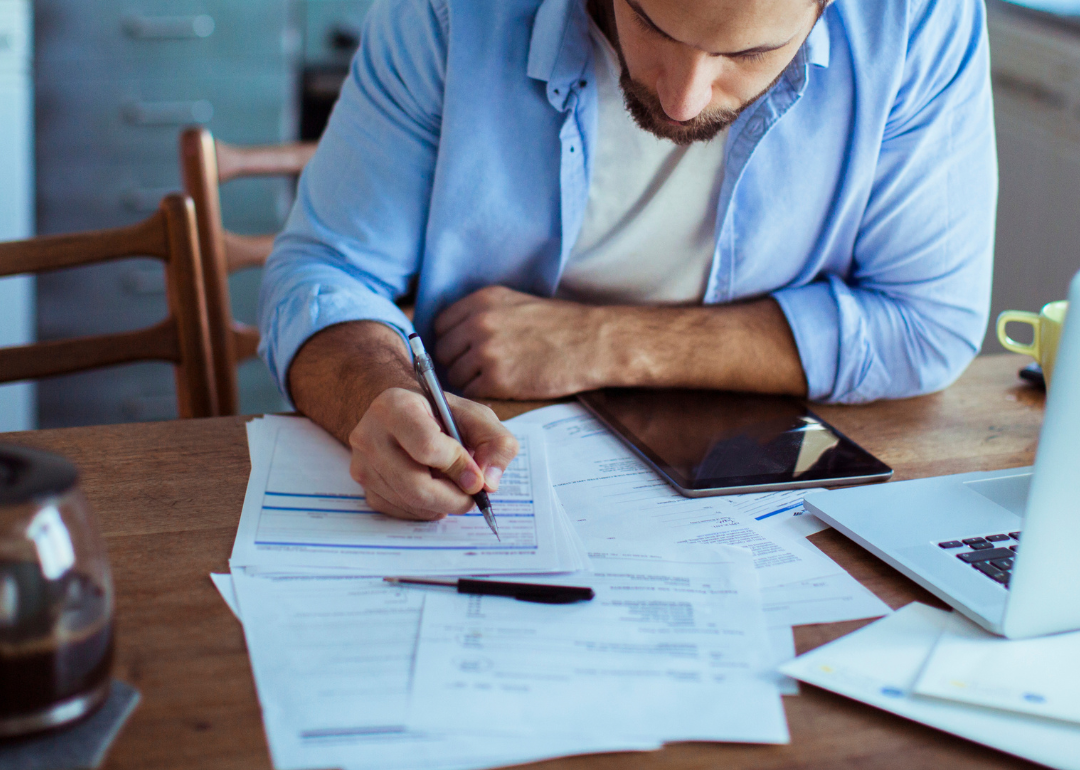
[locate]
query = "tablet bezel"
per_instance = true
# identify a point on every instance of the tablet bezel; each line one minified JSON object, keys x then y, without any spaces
{"x":738,"y":484}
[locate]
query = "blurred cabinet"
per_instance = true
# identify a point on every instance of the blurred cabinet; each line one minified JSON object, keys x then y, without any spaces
{"x":16,"y":197}
{"x":1035,"y":59}
{"x":331,"y":34}
{"x":115,"y":82}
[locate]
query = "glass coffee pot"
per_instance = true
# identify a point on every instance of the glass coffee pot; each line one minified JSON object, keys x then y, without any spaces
{"x":56,"y":596}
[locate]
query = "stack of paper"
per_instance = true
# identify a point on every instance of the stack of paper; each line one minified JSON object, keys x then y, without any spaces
{"x":611,"y":496}
{"x":303,"y":510}
{"x":693,"y":614}
{"x":891,"y":663}
{"x":353,"y":673}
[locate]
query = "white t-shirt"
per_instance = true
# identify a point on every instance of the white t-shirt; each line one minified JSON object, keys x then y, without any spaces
{"x":648,"y":235}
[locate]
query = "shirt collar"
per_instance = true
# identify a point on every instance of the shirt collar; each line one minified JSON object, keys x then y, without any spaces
{"x":559,"y":48}
{"x":817,"y":43}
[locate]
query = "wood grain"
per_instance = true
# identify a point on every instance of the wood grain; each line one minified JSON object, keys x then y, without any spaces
{"x":206,"y":164}
{"x":168,"y":496}
{"x":183,"y":338}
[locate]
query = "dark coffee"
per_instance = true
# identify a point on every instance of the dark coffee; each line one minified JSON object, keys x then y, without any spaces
{"x":55,"y":638}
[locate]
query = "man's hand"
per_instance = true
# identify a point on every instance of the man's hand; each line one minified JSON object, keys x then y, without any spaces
{"x":411,"y":469}
{"x":356,"y":381}
{"x":501,"y":343}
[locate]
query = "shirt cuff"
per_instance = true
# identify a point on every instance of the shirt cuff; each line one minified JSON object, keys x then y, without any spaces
{"x":309,"y":310}
{"x":814,"y":318}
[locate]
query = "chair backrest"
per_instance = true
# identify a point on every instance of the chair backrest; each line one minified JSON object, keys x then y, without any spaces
{"x":206,"y":164}
{"x":182,"y":338}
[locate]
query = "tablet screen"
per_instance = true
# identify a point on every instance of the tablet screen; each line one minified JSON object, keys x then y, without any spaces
{"x":706,"y":440}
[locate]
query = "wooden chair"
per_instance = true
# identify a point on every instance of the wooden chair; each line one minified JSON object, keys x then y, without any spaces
{"x":183,"y":338}
{"x":206,"y":164}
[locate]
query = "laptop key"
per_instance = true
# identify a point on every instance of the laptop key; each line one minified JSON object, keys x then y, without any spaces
{"x":985,"y":556}
{"x":981,"y":546}
{"x":997,"y":538}
{"x":1003,"y":578}
{"x":987,"y":568}
{"x":973,"y":540}
{"x":1014,"y":548}
{"x":951,"y":544}
{"x":1014,"y":535}
{"x":1003,"y":564}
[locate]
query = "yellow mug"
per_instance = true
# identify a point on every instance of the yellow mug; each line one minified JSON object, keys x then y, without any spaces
{"x":1046,"y":324}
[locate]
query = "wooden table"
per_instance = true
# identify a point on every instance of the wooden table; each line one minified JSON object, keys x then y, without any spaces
{"x":168,"y":497}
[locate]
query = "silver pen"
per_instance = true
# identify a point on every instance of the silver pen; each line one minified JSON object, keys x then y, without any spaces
{"x":425,"y":373}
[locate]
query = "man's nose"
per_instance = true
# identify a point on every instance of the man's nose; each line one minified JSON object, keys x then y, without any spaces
{"x":685,"y":88}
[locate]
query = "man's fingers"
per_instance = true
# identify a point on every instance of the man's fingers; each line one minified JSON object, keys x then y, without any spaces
{"x":452,"y":345}
{"x":493,"y":446}
{"x":455,"y":314}
{"x":464,"y":369}
{"x":397,"y":485}
{"x":424,"y":442}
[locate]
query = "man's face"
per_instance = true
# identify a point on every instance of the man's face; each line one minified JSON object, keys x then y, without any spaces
{"x":691,"y":66}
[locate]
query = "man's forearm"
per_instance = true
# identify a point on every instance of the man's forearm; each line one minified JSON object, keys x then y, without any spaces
{"x":746,"y":346}
{"x":339,"y":372}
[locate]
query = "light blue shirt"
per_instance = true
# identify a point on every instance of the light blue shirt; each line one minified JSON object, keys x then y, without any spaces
{"x":859,"y":192}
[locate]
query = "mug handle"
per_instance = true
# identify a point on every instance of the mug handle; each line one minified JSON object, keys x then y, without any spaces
{"x":1024,"y":317}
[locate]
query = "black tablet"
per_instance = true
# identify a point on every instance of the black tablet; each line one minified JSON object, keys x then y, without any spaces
{"x":718,"y":443}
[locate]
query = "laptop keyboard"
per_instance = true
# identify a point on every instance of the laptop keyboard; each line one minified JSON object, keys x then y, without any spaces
{"x":992,"y":555}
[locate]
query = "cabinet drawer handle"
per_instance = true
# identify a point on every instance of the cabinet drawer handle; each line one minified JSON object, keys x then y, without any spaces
{"x":168,"y":27}
{"x":144,"y":199}
{"x":167,"y":113}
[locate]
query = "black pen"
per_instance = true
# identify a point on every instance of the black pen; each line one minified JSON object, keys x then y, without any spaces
{"x":425,"y":373}
{"x":523,"y":592}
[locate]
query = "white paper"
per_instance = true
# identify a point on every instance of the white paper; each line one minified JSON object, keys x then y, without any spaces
{"x":1033,"y":676}
{"x":332,"y":658}
{"x":669,"y":650}
{"x":224,"y":585}
{"x":880,"y":663}
{"x":779,"y":510}
{"x":610,"y":494}
{"x":302,"y":509}
{"x":830,"y":599}
{"x":782,"y":646}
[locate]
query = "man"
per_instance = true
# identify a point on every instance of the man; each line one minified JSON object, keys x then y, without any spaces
{"x":784,"y":196}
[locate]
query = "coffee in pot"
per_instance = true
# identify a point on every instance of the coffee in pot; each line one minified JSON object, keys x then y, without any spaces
{"x":56,"y":598}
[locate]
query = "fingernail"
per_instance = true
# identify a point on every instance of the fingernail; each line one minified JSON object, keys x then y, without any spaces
{"x":493,"y":476}
{"x":468,"y":480}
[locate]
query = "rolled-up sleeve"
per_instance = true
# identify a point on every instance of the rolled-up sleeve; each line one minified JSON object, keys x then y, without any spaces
{"x":910,"y":313}
{"x":354,"y":239}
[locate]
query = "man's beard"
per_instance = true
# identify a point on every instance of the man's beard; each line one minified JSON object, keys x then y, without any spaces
{"x":647,"y":111}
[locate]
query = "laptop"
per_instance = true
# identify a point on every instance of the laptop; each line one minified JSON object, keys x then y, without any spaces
{"x":1000,"y":547}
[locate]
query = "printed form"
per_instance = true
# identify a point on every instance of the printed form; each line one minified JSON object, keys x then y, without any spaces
{"x":610,"y":495}
{"x":302,"y":509}
{"x":673,"y":648}
{"x":333,"y":658}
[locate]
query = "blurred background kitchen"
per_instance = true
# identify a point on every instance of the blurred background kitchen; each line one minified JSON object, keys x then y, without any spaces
{"x":93,"y":94}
